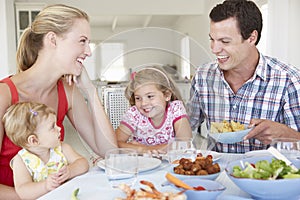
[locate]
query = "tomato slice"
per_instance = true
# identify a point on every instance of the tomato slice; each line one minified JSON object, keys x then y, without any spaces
{"x":199,"y":188}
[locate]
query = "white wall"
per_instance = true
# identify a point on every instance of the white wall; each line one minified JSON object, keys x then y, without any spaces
{"x":283,"y":31}
{"x":294,"y":33}
{"x":7,"y":38}
{"x":283,"y":39}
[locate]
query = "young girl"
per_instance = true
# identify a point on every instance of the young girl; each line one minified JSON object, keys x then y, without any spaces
{"x":45,"y":162}
{"x":157,"y":113}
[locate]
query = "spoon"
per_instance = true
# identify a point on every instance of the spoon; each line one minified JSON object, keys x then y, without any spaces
{"x":280,"y":156}
{"x":178,"y":182}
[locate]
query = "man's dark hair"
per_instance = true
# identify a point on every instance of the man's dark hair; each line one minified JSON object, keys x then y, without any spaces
{"x":246,"y":13}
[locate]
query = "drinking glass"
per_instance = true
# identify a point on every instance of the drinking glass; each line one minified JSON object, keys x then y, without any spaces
{"x":289,"y":147}
{"x":181,"y":148}
{"x":121,"y":166}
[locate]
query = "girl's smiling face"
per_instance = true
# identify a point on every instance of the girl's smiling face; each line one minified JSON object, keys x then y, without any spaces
{"x":151,"y":102}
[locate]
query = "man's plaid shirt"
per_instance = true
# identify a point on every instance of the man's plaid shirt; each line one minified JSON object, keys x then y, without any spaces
{"x":272,"y":93}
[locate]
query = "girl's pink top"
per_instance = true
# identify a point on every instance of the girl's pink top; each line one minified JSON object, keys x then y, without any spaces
{"x":144,"y":130}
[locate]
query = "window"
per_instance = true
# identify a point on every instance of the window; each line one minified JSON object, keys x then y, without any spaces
{"x":112,"y":62}
{"x":262,"y":45}
{"x":25,"y":14}
{"x":185,"y":57}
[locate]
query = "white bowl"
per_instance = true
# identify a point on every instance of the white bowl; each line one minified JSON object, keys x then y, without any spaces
{"x":212,"y":189}
{"x":182,"y":177}
{"x":265,"y":189}
{"x":230,"y":137}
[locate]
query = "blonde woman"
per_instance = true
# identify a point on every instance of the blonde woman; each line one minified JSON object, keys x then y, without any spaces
{"x":157,"y":114}
{"x":44,"y":162}
{"x":54,"y":45}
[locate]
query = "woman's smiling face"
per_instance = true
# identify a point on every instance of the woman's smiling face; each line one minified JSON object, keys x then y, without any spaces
{"x":73,"y":47}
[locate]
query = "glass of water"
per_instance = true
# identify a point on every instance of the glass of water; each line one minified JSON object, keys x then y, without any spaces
{"x":289,"y":147}
{"x":181,"y":148}
{"x":121,"y":166}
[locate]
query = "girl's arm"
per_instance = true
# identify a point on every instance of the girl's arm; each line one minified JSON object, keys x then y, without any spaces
{"x":123,"y":133}
{"x":77,"y":164}
{"x":182,"y":128}
{"x":88,"y":116}
{"x":24,"y":185}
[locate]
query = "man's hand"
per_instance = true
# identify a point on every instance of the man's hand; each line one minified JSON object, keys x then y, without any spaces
{"x":266,"y":130}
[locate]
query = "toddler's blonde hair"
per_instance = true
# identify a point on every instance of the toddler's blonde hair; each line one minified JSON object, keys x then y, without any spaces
{"x":21,"y":120}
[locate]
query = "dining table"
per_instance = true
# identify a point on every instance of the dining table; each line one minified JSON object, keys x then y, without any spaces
{"x":94,"y":184}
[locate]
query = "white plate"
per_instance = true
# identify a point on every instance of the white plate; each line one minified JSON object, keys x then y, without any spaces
{"x":230,"y":137}
{"x":145,"y":163}
{"x":257,"y":153}
{"x":216,"y":155}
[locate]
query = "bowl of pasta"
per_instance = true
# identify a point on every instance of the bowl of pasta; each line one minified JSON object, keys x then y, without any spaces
{"x":228,"y":132}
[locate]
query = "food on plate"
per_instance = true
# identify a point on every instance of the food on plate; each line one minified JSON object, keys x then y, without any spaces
{"x":263,"y":169}
{"x":225,"y":126}
{"x":74,"y":194}
{"x":201,"y":166}
{"x":150,"y":192}
{"x":177,"y":161}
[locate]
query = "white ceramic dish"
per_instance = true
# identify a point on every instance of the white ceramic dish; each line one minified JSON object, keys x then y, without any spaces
{"x":145,"y":163}
{"x":212,"y":189}
{"x":230,"y":137}
{"x":182,"y":177}
{"x":257,"y":153}
{"x":265,"y":189}
{"x":216,"y":155}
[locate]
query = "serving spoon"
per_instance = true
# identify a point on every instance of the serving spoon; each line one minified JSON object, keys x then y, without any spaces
{"x":179,"y":183}
{"x":280,"y":156}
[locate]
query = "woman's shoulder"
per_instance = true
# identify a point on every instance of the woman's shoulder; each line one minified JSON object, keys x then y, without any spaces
{"x":5,"y":94}
{"x":4,"y":89}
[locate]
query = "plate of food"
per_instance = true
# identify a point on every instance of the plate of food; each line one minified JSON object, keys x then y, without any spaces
{"x":145,"y":163}
{"x":228,"y":132}
{"x":201,"y":168}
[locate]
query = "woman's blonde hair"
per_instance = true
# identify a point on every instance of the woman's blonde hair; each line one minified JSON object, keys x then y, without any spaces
{"x":21,"y":119}
{"x":152,"y":75}
{"x":57,"y":18}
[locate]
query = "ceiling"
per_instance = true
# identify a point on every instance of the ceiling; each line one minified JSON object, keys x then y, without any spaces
{"x":115,"y":14}
{"x":135,"y":21}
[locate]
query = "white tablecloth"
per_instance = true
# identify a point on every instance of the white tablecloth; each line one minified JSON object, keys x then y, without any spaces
{"x":94,"y":184}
